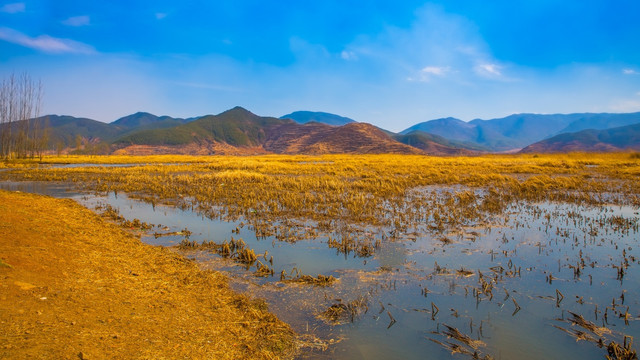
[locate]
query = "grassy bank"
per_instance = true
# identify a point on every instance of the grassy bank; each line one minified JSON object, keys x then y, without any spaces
{"x":73,"y":285}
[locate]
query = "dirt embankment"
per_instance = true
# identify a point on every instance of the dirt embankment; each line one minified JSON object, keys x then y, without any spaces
{"x":74,"y":286}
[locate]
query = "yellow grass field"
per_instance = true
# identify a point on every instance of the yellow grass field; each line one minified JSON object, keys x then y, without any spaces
{"x":74,"y":286}
{"x":374,"y":189}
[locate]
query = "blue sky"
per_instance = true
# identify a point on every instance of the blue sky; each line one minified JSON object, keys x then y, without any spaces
{"x":392,"y":64}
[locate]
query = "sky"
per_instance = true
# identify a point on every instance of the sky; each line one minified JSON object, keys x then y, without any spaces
{"x":392,"y":64}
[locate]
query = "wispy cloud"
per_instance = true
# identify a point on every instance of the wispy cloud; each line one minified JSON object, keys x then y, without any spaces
{"x":427,"y":73}
{"x":160,"y":15}
{"x":83,"y":20}
{"x":435,"y":70}
{"x":436,"y":38}
{"x":488,"y":70}
{"x":630,"y":72}
{"x":45,"y":43}
{"x":348,"y":55}
{"x":13,"y":8}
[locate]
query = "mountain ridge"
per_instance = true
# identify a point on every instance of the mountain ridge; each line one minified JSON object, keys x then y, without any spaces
{"x":303,"y":117}
{"x":145,"y":119}
{"x":248,"y":132}
{"x":621,"y":138}
{"x":519,"y":130}
{"x":239,"y":131}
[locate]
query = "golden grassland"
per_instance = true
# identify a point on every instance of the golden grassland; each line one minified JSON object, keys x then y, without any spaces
{"x":280,"y":194}
{"x":365,"y":189}
{"x":75,"y":286}
{"x":111,"y":159}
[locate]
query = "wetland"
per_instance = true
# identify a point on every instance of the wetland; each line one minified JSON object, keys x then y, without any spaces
{"x":390,"y":256}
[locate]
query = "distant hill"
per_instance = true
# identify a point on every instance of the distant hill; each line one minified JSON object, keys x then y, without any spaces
{"x":238,"y":131}
{"x":450,"y":128}
{"x":518,"y":130}
{"x":303,"y":117}
{"x":242,"y":132}
{"x":438,"y":145}
{"x":316,"y":138}
{"x":65,"y":129}
{"x":146,"y":120}
{"x":601,"y":121}
{"x":615,"y":139}
{"x":236,"y":127}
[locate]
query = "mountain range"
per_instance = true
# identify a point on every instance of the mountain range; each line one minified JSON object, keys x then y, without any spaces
{"x":613,"y":139}
{"x":238,"y":131}
{"x":520,"y":130}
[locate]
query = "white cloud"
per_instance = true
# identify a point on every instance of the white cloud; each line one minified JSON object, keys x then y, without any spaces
{"x":630,"y":72}
{"x":436,"y":38}
{"x":45,"y":43}
{"x":348,"y":55}
{"x":488,"y":70}
{"x":13,"y":8}
{"x":435,"y":70}
{"x":83,"y":20}
{"x":161,"y":15}
{"x":429,"y":72}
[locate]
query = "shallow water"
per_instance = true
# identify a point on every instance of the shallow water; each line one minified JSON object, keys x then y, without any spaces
{"x":528,"y":254}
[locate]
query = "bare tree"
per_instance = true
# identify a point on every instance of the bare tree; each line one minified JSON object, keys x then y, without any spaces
{"x":20,"y":99}
{"x":41,"y":136}
{"x":79,"y":141}
{"x":5,"y":117}
{"x":59,"y":147}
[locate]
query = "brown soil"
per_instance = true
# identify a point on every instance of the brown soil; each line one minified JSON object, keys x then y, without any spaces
{"x":74,"y":286}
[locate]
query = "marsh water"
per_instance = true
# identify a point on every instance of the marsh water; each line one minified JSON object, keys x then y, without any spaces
{"x":510,"y":287}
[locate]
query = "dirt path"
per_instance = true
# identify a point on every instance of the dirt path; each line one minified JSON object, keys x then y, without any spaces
{"x":74,"y":286}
